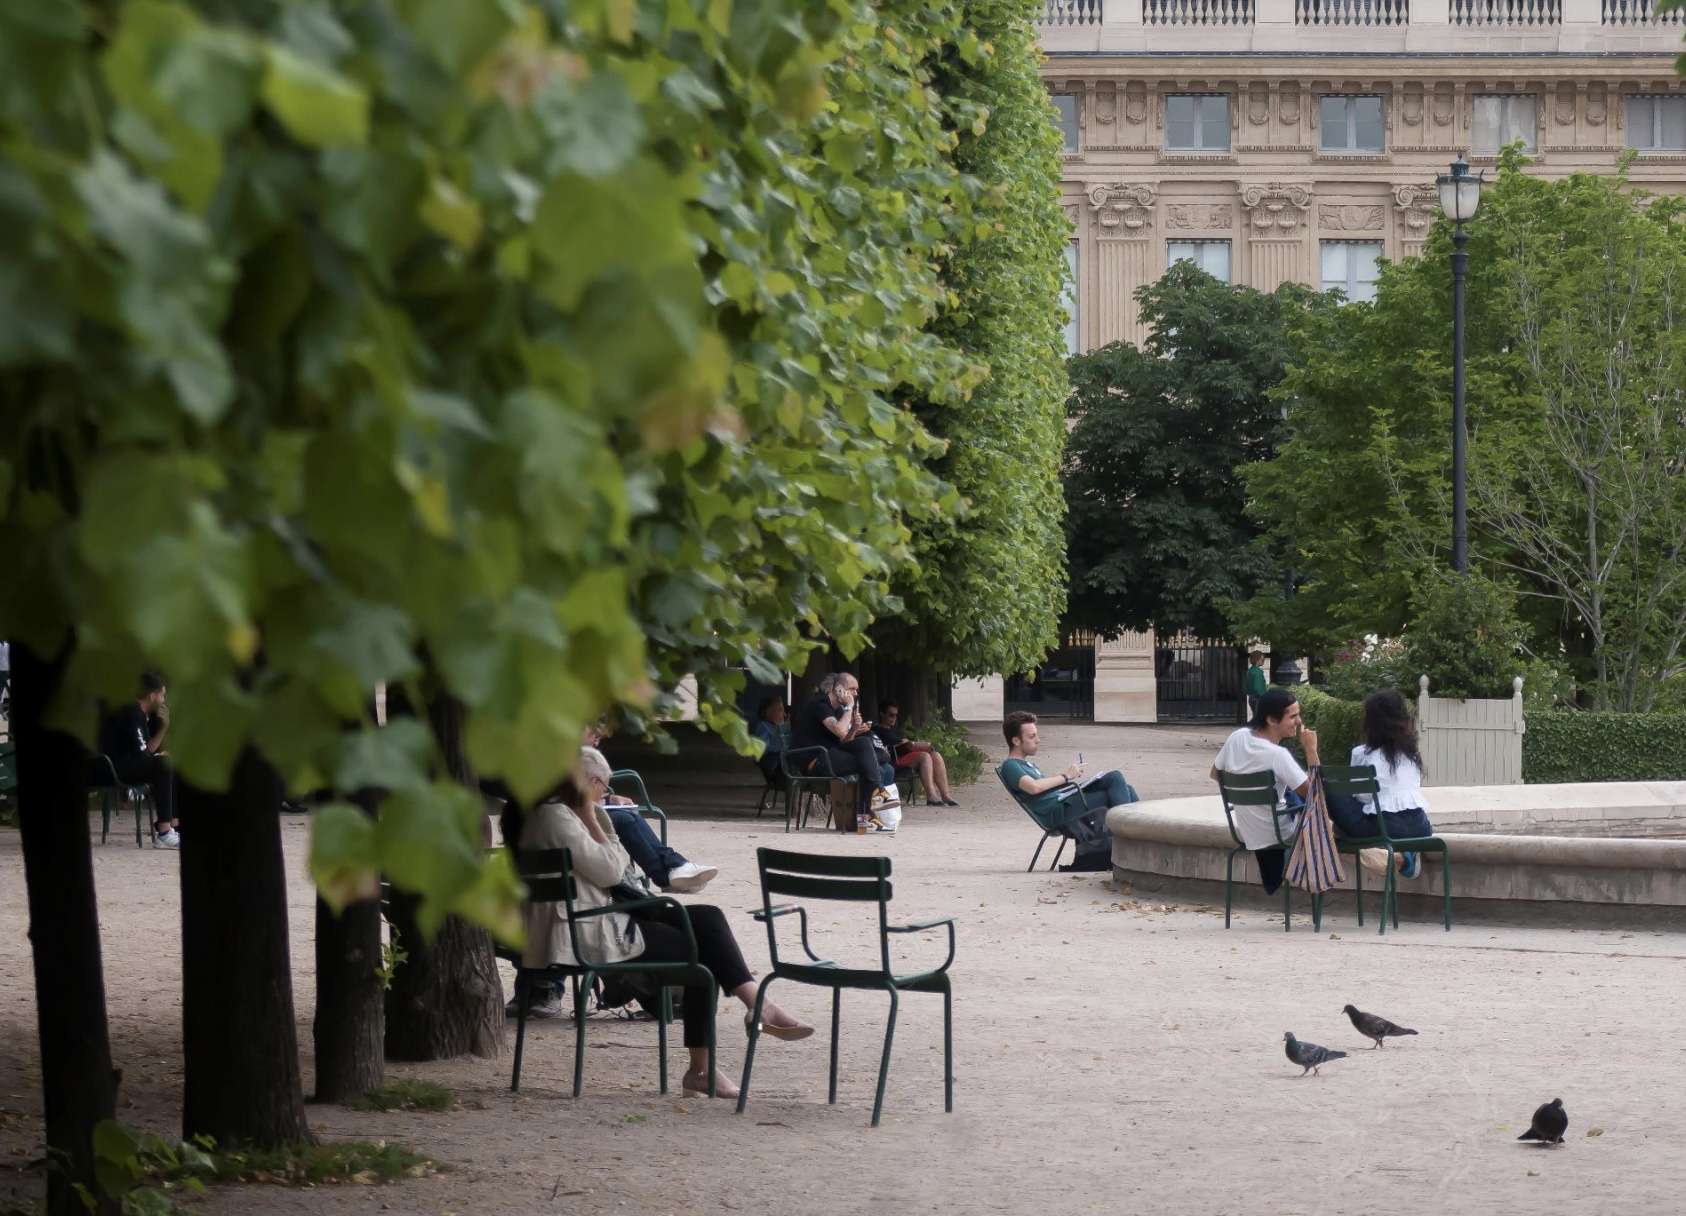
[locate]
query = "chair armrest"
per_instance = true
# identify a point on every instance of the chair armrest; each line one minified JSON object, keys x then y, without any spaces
{"x":653,"y":901}
{"x":659,"y":815}
{"x":918,"y":926}
{"x":763,"y":914}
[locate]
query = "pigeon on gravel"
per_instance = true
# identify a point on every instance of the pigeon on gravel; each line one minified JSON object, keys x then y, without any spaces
{"x":1309,"y":1055}
{"x":1374,"y":1026}
{"x":1550,"y":1121}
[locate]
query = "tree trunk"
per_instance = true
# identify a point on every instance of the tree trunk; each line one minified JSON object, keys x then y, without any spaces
{"x":350,"y":1000}
{"x":446,"y":999}
{"x":78,"y":1083}
{"x":241,"y":1043}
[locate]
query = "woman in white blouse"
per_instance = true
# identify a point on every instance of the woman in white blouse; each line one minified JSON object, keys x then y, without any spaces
{"x":571,"y":819}
{"x":1390,"y":745}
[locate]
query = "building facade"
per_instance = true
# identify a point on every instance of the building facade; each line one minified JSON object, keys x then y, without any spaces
{"x":1276,"y":140}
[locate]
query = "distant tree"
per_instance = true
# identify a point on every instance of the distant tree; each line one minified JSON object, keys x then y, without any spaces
{"x":1156,"y":528}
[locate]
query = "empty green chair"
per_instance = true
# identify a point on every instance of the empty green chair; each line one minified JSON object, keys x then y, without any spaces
{"x":809,"y":876}
{"x":1360,"y":781}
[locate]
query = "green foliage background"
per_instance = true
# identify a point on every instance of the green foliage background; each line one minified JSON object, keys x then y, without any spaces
{"x":529,"y":352}
{"x":987,"y":587}
{"x":1573,"y":745}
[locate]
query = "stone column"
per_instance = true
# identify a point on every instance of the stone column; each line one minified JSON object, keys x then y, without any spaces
{"x":1125,"y":687}
{"x":1275,"y":215}
{"x":1415,"y":205}
{"x":1124,"y":216}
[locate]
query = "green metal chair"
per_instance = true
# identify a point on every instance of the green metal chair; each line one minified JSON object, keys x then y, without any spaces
{"x":1259,"y":789}
{"x":1360,"y":781}
{"x":627,"y":782}
{"x":854,"y":879}
{"x":105,"y":781}
{"x":548,"y":874}
{"x":807,"y":776}
{"x":1070,"y":813}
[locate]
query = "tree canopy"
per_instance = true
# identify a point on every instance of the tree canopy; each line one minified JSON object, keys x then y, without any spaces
{"x":1157,"y":529}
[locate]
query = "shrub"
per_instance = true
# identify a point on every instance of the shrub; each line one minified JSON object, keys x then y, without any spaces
{"x":1574,"y":745}
{"x":1361,"y":668}
{"x":1464,"y":636}
{"x":1336,"y":722}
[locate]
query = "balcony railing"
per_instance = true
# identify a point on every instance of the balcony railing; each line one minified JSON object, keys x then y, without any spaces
{"x":1507,"y":12}
{"x":1071,"y":12}
{"x":1353,"y":12}
{"x":1197,"y":12}
{"x":1640,"y":12}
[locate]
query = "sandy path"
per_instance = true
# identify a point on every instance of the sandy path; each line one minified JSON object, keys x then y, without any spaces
{"x":1111,"y":1054}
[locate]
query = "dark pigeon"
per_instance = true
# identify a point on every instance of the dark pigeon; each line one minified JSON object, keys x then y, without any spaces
{"x":1550,"y":1122}
{"x":1373,"y":1026}
{"x":1309,"y":1055}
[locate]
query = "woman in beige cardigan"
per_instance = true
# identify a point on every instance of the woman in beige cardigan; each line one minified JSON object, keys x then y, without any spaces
{"x":570,"y":819}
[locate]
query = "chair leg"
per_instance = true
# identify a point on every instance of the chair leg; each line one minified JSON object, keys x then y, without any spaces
{"x":137,"y":802}
{"x":105,"y":815}
{"x":1358,"y":887}
{"x":1038,"y":852}
{"x":582,"y":986}
{"x":664,"y":1015}
{"x":1317,"y":913}
{"x":522,"y":998}
{"x":713,"y":1003}
{"x":1387,"y":895}
{"x":836,"y":1014}
{"x":754,"y":1034}
{"x":1287,"y":905}
{"x":1057,"y":853}
{"x":1229,"y":878}
{"x":1446,"y":888}
{"x":948,"y":1046}
{"x":884,"y":1063}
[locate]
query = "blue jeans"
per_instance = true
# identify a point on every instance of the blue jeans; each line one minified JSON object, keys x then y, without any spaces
{"x":1108,"y":790}
{"x":643,"y":845}
{"x":1351,"y":821}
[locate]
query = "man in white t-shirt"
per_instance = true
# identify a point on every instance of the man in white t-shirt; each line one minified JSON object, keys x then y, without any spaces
{"x":1257,"y":748}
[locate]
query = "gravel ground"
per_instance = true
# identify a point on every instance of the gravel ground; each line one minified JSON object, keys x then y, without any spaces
{"x":1111,"y":1052}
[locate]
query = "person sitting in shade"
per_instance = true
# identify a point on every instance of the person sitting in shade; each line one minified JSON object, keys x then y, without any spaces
{"x":1390,"y":745}
{"x":1043,"y":795}
{"x":915,"y":754}
{"x":133,"y":737}
{"x":570,"y":819}
{"x":1257,"y":748}
{"x":769,"y":728}
{"x":831,"y":719}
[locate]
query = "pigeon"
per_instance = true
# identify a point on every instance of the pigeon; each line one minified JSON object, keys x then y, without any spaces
{"x":1549,"y":1123}
{"x":1374,"y":1026}
{"x":1309,"y":1055}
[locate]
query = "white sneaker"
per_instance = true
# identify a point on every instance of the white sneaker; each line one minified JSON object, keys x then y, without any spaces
{"x":169,"y":838}
{"x":690,"y":877}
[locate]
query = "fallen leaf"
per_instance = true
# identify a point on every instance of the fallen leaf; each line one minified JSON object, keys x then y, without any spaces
{"x":1595,"y":1131}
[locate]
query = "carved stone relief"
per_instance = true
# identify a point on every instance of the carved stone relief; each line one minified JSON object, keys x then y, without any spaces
{"x":1416,"y":205}
{"x":1444,"y":106}
{"x":1199,"y":217}
{"x":1258,"y":104}
{"x":1597,"y":104}
{"x":1411,"y":107}
{"x":1275,"y":209}
{"x":1106,"y":104}
{"x":1135,"y":102}
{"x":1290,"y":104}
{"x":1123,"y":209}
{"x":1336,"y":217}
{"x":1564,"y":110}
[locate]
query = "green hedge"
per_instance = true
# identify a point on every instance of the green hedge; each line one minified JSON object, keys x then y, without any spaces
{"x":1335,"y":721}
{"x":1578,"y":745}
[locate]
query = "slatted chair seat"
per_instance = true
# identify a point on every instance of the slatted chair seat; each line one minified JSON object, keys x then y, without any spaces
{"x":810,"y":876}
{"x":1360,"y":781}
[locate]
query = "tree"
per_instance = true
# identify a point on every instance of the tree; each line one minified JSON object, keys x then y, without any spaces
{"x":985,"y":590}
{"x":1567,"y":421}
{"x":1156,"y":526}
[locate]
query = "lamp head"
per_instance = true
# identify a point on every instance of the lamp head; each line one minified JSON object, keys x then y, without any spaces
{"x":1460,"y":193}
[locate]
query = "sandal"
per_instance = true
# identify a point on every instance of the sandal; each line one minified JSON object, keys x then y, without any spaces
{"x":789,"y":1034}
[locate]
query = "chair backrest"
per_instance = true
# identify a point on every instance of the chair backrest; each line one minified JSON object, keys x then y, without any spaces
{"x":795,"y":761}
{"x":1245,"y":789}
{"x":548,"y":875}
{"x":1357,"y":780}
{"x":811,"y":876}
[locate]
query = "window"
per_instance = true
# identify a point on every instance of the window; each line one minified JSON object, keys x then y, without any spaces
{"x":1656,"y":124}
{"x":1197,"y":122}
{"x":1071,"y":298}
{"x":1350,"y":266}
{"x":1351,"y":123}
{"x":1066,"y":104}
{"x":1210,"y":256}
{"x":1504,"y":120}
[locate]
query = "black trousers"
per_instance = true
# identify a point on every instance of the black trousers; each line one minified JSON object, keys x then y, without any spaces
{"x":664,"y":942}
{"x":857,"y":757}
{"x":155,"y":771}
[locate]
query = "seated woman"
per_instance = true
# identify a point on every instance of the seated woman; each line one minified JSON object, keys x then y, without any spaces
{"x":1390,"y":745}
{"x":570,"y":820}
{"x":915,"y":754}
{"x":1257,"y":748}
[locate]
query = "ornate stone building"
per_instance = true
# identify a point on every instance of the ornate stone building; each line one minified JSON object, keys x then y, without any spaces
{"x":1271,"y":140}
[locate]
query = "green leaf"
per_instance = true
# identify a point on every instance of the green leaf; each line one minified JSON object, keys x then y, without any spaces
{"x":451,"y":213}
{"x":391,"y":757}
{"x":344,"y":855}
{"x":318,"y":106}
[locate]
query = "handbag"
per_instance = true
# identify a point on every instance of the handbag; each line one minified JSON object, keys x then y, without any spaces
{"x":1315,"y":864}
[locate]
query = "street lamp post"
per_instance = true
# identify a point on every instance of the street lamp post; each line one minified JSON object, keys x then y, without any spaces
{"x":1460,"y":195}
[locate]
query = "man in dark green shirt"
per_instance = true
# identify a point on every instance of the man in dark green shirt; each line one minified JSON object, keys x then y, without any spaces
{"x":1051,"y":800}
{"x":1257,"y":684}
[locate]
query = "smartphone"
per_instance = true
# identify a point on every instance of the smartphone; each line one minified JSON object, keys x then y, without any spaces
{"x":1079,"y":759}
